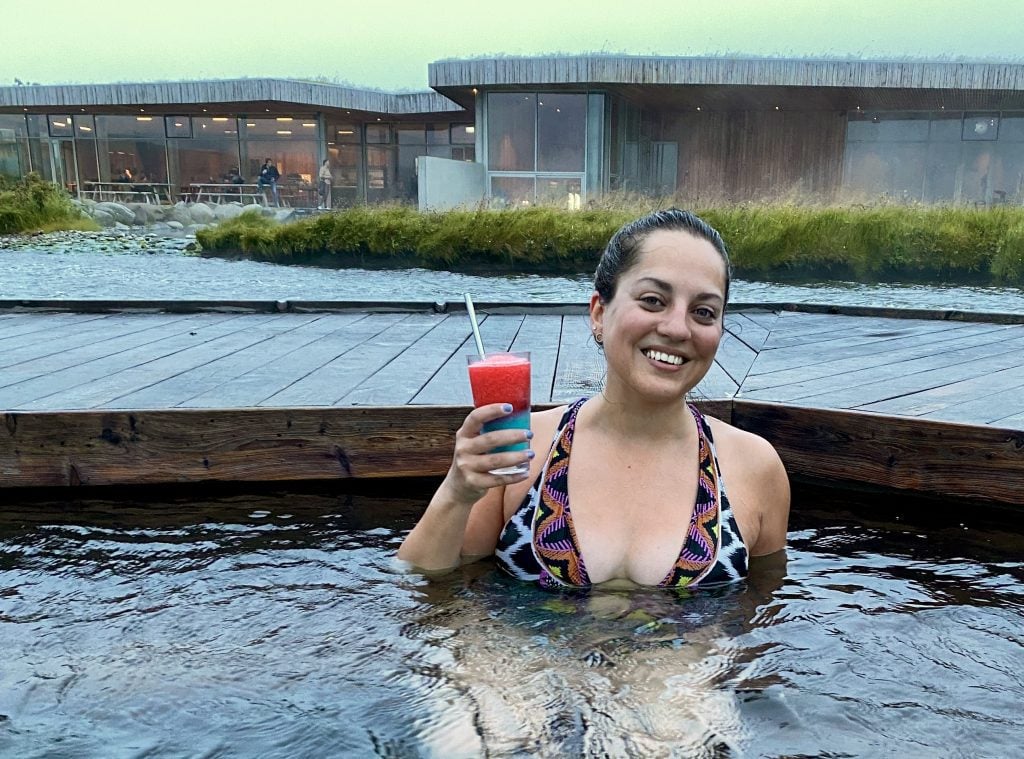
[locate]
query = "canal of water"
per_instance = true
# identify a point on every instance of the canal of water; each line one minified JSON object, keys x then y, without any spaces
{"x":134,"y":267}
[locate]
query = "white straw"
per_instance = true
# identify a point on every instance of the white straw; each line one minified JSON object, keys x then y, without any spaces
{"x":476,"y":327}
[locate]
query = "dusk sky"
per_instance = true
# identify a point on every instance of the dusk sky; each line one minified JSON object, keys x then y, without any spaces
{"x":388,"y":45}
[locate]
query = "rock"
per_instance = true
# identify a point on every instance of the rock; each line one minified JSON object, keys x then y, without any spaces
{"x":118,"y":211}
{"x":180,"y":214}
{"x":102,"y":217}
{"x":283,"y":214}
{"x":175,"y":224}
{"x":229,"y":211}
{"x":120,"y":227}
{"x":201,"y":213}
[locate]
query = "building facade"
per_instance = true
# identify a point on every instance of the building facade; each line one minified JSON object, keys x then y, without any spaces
{"x":558,"y":130}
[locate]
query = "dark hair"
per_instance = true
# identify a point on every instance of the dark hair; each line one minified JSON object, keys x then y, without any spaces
{"x":622,"y":250}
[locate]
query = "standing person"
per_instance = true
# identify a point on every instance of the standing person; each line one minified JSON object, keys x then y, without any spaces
{"x":324,"y":185}
{"x":269,"y":176}
{"x":628,"y":486}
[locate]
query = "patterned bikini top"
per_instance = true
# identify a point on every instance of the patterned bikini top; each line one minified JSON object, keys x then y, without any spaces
{"x":538,"y":543}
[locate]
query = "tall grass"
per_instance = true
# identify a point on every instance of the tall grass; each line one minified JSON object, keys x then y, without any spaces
{"x":891,"y":242}
{"x":32,"y":204}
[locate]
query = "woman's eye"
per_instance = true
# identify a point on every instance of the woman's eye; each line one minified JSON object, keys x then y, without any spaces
{"x":706,"y":314}
{"x":651,"y":300}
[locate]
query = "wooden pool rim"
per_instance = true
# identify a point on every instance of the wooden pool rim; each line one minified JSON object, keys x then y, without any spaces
{"x":104,"y":448}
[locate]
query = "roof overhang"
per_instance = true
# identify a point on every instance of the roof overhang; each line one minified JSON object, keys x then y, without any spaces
{"x":746,"y":84}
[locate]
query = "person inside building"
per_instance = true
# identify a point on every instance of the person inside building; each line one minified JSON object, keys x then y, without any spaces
{"x":647,"y":472}
{"x":268,"y":178}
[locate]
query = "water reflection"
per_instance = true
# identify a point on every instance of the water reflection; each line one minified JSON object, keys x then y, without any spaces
{"x":280,"y":625}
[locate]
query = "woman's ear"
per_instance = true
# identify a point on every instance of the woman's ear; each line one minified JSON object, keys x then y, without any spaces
{"x":596,"y":313}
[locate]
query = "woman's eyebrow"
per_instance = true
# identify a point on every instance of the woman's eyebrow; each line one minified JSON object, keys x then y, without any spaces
{"x":659,"y":283}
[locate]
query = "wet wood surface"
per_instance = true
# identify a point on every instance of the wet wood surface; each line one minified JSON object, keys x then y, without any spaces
{"x":108,"y":398}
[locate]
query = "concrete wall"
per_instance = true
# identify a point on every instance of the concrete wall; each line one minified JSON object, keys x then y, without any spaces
{"x":445,"y":184}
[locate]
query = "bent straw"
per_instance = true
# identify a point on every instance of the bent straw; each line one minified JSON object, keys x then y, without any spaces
{"x":476,"y":327}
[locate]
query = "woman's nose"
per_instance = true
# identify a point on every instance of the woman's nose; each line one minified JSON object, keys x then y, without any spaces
{"x":675,"y":325}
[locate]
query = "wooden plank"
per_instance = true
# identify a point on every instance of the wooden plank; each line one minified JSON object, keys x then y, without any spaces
{"x":735,"y":357}
{"x":811,"y":354}
{"x":261,"y":382}
{"x":94,"y":448}
{"x":934,"y":458}
{"x":59,"y":351}
{"x":144,"y":369}
{"x":385,"y":336}
{"x":37,"y":324}
{"x":845,"y":373}
{"x":450,"y":383}
{"x":541,"y":335}
{"x":580,"y":369}
{"x":984,"y":398}
{"x":902,"y":383}
{"x":716,"y":384}
{"x":750,"y":331}
{"x":281,"y":336}
{"x":48,"y":387}
{"x":764,"y":319}
{"x":400,"y":380}
{"x":851,"y":330}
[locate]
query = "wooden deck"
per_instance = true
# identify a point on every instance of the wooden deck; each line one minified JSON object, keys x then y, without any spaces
{"x":104,"y":370}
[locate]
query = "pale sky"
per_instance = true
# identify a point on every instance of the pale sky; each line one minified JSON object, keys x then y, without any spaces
{"x":388,"y":44}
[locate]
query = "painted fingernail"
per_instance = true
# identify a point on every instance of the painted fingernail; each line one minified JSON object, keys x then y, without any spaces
{"x":529,"y":434}
{"x":530,"y":454}
{"x":507,"y":408}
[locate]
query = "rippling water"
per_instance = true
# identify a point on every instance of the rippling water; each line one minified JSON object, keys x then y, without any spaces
{"x":279,"y":626}
{"x":132,"y":267}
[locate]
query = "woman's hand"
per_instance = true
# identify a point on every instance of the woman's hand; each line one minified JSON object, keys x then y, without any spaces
{"x":469,"y":477}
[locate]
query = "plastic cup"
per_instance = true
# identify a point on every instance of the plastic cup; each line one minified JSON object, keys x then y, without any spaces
{"x":503,"y":378}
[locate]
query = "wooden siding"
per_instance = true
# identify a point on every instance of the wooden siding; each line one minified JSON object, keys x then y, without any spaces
{"x":752,"y":155}
{"x":727,"y":71}
{"x":240,"y":91}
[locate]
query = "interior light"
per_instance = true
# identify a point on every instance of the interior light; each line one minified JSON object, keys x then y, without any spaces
{"x":474,"y":90}
{"x":143,"y":118}
{"x":284,"y":131}
{"x":776,"y":108}
{"x":59,"y":124}
{"x":471,"y":130}
{"x":178,"y":123}
{"x":698,"y":107}
{"x":284,"y":118}
{"x":345,"y":131}
{"x":220,"y":118}
{"x":308,"y":124}
{"x":85,"y":128}
{"x":249,"y":124}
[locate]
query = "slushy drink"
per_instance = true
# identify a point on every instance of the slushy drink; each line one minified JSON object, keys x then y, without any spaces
{"x":503,"y":378}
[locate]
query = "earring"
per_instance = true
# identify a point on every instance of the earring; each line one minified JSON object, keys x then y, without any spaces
{"x":598,"y":338}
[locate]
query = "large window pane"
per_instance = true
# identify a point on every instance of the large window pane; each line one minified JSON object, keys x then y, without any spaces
{"x":14,"y":160}
{"x":463,"y":134}
{"x":88,"y":164}
{"x":559,"y":191}
{"x":281,"y":127}
{"x":143,"y":126}
{"x":60,"y":126}
{"x":437,"y":134}
{"x":561,"y":132}
{"x":143,"y":159}
{"x":381,"y":170}
{"x":512,"y":192}
{"x":511,"y":125}
{"x":379,"y":134}
{"x":346,"y":163}
{"x":178,"y":126}
{"x":202,"y":160}
{"x":295,"y":159}
{"x":411,"y":134}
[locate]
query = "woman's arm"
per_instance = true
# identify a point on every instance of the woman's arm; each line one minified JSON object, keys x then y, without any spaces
{"x":465,"y":516}
{"x":773,"y":496}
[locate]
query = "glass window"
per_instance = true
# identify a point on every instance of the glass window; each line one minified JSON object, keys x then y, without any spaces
{"x":142,"y":159}
{"x":561,"y":132}
{"x":511,"y":131}
{"x":280,"y":127}
{"x":512,"y":191}
{"x":14,"y":161}
{"x":345,"y":133}
{"x":130,"y":126}
{"x":378,"y":134}
{"x":904,"y":128}
{"x":178,"y":126}
{"x":981,"y":126}
{"x":85,"y":127}
{"x":296,"y":159}
{"x":437,"y":134}
{"x":37,"y":125}
{"x":381,"y":171}
{"x":945,"y":128}
{"x":60,"y":126}
{"x":346,"y":168}
{"x":88,"y":161}
{"x":559,"y":191}
{"x":463,"y":134}
{"x":203,"y":159}
{"x":463,"y":153}
{"x":1011,"y":128}
{"x":411,"y":134}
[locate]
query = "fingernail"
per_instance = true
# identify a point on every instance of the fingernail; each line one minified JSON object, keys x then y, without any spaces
{"x":507,"y":408}
{"x":529,"y":434}
{"x":530,"y":454}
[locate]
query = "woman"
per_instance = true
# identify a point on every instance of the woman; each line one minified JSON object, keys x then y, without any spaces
{"x":638,"y":451}
{"x":324,"y":180}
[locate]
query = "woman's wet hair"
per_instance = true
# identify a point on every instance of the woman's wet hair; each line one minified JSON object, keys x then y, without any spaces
{"x":623,"y":249}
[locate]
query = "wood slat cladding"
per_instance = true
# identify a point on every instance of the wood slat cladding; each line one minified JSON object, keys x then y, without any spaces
{"x":751,"y":155}
{"x":727,"y":71}
{"x":280,"y":93}
{"x":926,"y":457}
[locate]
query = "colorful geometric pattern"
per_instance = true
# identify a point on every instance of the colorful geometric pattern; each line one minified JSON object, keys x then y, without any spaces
{"x":539,"y":543}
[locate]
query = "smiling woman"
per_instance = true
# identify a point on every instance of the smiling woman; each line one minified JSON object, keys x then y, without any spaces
{"x":657,"y":312}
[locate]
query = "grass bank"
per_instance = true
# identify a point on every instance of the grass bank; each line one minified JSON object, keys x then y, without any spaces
{"x":888,"y":242}
{"x":32,"y":204}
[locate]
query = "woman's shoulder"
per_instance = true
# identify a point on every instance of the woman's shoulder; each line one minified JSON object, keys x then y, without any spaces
{"x":756,"y":452}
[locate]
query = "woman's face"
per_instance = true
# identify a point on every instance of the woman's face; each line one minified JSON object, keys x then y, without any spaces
{"x":662,"y":327}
